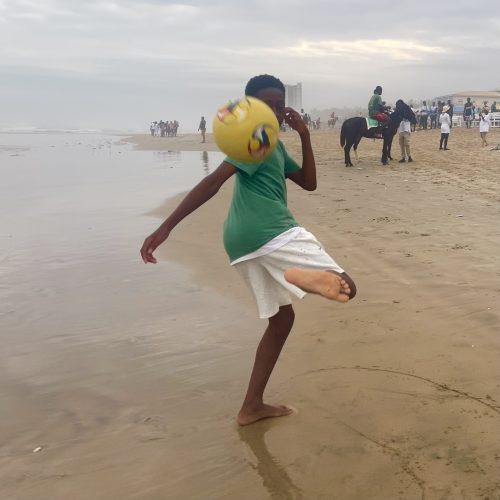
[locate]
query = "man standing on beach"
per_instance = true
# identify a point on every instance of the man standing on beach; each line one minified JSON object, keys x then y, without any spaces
{"x":203,"y":128}
{"x":434,"y":115}
{"x":450,"y":113}
{"x":468,"y":112}
{"x":404,"y":140}
{"x":424,"y":113}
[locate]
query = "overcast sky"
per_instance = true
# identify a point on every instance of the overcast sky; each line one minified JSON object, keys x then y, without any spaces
{"x":121,"y":64}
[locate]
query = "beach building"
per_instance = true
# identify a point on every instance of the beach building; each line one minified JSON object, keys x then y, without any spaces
{"x":293,"y":96}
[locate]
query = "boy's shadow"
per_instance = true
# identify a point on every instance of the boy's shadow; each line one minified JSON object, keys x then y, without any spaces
{"x":274,"y":476}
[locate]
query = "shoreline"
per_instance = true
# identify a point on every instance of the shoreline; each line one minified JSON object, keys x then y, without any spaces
{"x":183,"y":142}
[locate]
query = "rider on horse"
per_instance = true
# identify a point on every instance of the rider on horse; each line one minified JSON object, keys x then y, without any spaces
{"x":376,"y":108}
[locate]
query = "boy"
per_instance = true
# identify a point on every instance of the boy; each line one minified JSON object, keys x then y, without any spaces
{"x":272,"y":253}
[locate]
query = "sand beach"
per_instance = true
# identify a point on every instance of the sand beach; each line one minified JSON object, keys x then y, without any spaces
{"x":398,"y":392}
{"x":415,"y":356}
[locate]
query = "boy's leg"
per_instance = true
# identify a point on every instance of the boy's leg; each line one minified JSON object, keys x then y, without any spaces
{"x":328,"y":284}
{"x":268,"y":351}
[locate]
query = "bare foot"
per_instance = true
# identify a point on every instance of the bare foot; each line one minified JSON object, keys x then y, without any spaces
{"x":246,"y":417}
{"x":326,"y":284}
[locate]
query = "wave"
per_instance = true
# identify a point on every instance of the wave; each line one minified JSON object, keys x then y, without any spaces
{"x":38,"y":130}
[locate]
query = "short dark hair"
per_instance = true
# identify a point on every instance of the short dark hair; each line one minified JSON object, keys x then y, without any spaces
{"x":257,"y":83}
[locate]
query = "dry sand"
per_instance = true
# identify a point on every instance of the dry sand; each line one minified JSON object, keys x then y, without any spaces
{"x":397,"y":392}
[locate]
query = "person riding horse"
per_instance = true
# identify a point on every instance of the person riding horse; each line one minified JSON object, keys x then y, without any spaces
{"x":376,"y":108}
{"x":355,"y":128}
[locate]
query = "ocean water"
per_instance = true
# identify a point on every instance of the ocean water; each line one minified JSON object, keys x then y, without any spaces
{"x":117,"y":379}
{"x":73,"y":215}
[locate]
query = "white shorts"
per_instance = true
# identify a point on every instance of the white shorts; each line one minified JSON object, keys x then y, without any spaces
{"x":265,"y":275}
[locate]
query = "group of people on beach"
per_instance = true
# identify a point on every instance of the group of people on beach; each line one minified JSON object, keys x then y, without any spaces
{"x":440,"y":113}
{"x":164,"y":128}
{"x":427,"y":116}
{"x":446,"y":122}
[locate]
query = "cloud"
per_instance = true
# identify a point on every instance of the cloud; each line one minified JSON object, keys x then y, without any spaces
{"x":398,"y":50}
{"x":172,"y":53}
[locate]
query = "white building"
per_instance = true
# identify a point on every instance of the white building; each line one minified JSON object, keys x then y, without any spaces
{"x":293,"y":96}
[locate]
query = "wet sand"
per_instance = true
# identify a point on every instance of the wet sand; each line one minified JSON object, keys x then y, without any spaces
{"x":397,"y":392}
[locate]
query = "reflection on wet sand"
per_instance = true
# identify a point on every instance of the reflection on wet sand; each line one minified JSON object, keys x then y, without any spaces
{"x":204,"y":159}
{"x":274,"y":476}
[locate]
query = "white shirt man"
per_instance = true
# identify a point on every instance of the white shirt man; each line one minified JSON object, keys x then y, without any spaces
{"x":404,"y":131}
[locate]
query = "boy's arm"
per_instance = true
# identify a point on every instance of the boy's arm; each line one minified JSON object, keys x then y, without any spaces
{"x":200,"y":194}
{"x":306,"y":177}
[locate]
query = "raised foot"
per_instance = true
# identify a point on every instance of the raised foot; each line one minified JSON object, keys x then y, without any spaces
{"x":327,"y":284}
{"x":249,"y":416}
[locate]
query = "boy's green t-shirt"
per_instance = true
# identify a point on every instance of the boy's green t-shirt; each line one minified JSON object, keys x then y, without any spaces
{"x":258,"y":211}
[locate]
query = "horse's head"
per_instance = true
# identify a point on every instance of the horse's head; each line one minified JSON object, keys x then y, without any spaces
{"x":405,"y":111}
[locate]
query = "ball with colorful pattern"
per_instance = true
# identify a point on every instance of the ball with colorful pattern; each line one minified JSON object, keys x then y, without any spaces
{"x":246,"y":130}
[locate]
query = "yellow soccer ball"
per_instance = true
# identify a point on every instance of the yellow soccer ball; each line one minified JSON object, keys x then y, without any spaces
{"x":246,"y":130}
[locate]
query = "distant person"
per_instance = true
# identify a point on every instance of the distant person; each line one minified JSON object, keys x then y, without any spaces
{"x":202,"y":128}
{"x":307,"y":120}
{"x":433,"y":113}
{"x":424,"y":115}
{"x":494,"y":107}
{"x":404,"y":131}
{"x":484,"y":125}
{"x":414,"y":125}
{"x":445,"y":121}
{"x":417,"y":116}
{"x":468,"y":113}
{"x":450,"y":112}
{"x":333,"y":120}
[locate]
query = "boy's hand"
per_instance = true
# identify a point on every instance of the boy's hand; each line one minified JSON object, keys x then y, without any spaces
{"x":295,"y":121}
{"x":151,"y":243}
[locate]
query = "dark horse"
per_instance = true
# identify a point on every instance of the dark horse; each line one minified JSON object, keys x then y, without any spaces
{"x":354,"y":129}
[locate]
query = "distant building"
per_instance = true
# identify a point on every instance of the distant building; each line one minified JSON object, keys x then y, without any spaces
{"x":293,"y":96}
{"x":476,"y":96}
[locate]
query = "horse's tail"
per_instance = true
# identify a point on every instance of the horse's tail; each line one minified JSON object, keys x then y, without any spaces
{"x":342,"y":135}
